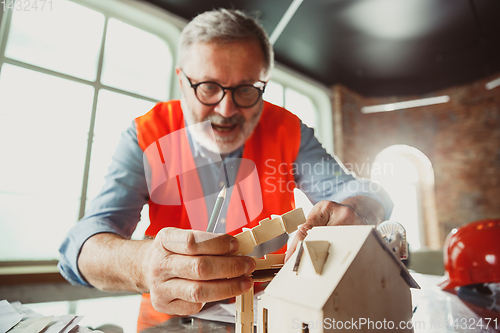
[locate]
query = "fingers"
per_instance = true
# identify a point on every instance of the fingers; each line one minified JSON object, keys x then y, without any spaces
{"x":189,"y":268}
{"x":192,"y":242}
{"x":299,"y":236}
{"x":328,"y":213}
{"x":208,"y":267}
{"x":319,"y":216}
{"x":184,"y":297}
{"x":180,"y":307}
{"x":210,"y":291}
{"x":325,"y":213}
{"x":163,"y":302}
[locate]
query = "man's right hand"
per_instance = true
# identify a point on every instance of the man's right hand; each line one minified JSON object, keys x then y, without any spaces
{"x":184,"y":269}
{"x":181,"y":269}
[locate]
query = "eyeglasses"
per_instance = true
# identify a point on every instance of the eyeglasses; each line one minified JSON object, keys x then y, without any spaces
{"x":211,"y":93}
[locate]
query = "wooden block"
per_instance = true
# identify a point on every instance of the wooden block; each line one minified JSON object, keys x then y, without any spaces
{"x":268,"y":229}
{"x":247,"y":242}
{"x":269,"y":261}
{"x":244,"y":312}
{"x":293,"y":219}
{"x":317,"y":251}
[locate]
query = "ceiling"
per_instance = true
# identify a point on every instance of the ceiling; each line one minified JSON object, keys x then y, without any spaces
{"x":377,"y":47}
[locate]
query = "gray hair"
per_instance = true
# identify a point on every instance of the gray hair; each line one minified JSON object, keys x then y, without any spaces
{"x":225,"y":26}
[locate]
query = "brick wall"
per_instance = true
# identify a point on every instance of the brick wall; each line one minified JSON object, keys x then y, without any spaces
{"x":461,"y":138}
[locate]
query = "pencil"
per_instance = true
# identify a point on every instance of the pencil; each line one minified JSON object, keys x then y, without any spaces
{"x":212,"y":224}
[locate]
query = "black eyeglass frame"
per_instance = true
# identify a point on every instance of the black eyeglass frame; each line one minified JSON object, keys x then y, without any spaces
{"x":232,"y":89}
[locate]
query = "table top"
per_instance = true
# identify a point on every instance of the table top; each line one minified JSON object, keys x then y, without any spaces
{"x":187,"y":325}
{"x":435,"y":311}
{"x":439,"y":311}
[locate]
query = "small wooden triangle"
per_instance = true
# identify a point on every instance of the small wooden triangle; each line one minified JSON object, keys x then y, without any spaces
{"x":317,"y":251}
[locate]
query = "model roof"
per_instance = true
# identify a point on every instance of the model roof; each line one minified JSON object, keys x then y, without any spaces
{"x":345,"y":244}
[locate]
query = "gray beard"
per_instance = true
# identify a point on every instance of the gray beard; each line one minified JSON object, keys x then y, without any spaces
{"x":202,"y":132}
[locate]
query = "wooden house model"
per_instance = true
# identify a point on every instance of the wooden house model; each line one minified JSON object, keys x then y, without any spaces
{"x":346,"y":276}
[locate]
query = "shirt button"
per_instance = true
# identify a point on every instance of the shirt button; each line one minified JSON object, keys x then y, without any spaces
{"x":221,"y":184}
{"x":223,"y":221}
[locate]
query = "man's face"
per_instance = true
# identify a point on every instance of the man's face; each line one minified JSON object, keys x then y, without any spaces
{"x":230,"y":65}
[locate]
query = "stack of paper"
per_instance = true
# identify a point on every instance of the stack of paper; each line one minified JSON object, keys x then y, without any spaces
{"x":16,"y":318}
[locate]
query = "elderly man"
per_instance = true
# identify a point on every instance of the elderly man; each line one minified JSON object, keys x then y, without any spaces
{"x":220,"y":123}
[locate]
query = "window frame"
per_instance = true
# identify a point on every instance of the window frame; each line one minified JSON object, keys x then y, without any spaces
{"x":320,"y":97}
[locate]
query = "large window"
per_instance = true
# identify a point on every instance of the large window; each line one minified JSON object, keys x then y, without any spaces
{"x":72,"y":78}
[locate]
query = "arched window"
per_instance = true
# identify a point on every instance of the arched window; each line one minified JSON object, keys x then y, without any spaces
{"x":407,"y":175}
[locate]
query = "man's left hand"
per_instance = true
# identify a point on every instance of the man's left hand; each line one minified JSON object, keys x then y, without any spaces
{"x":358,"y":210}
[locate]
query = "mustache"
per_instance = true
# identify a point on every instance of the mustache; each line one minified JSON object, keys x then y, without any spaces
{"x":220,"y":120}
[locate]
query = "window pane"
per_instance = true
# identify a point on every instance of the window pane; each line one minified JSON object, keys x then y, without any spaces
{"x":44,"y":122}
{"x":399,"y":176}
{"x":406,"y":211}
{"x":301,"y":105}
{"x":66,"y":39}
{"x":136,"y":61}
{"x":115,"y":113}
{"x":274,"y":93}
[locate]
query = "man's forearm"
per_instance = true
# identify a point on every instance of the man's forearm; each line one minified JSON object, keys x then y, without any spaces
{"x":111,"y":263}
{"x":367,"y":208}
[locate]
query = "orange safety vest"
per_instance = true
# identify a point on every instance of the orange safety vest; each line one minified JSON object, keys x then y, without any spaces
{"x":273,"y":147}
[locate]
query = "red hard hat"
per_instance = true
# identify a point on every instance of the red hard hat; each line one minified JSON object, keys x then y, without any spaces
{"x":472,"y":254}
